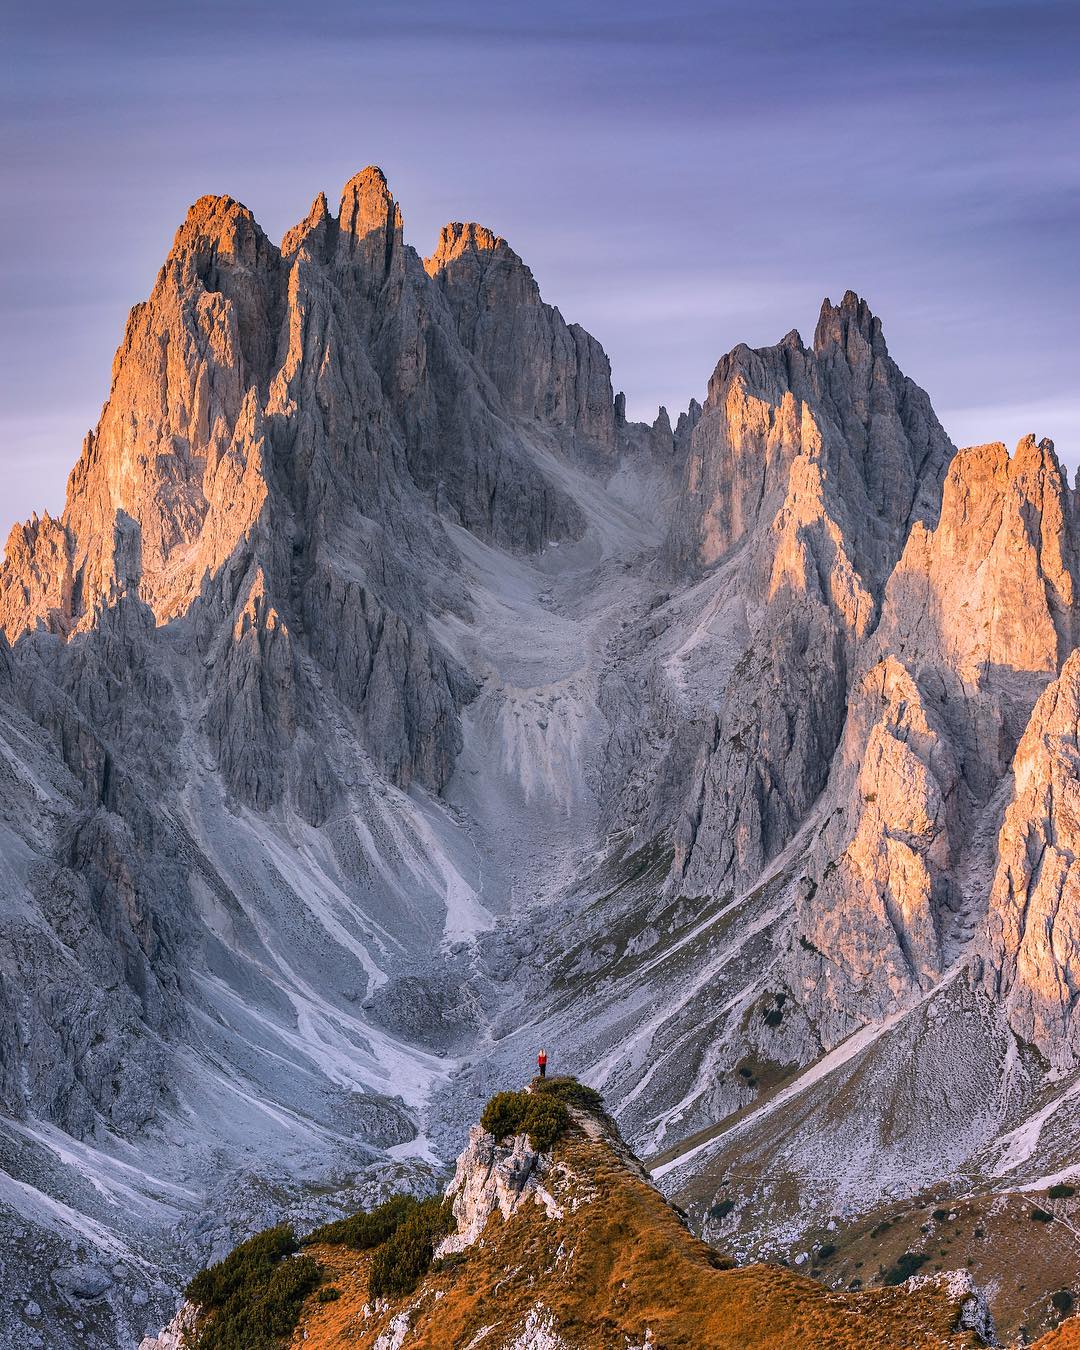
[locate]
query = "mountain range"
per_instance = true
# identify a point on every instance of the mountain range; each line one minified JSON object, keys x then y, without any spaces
{"x":385,"y":705}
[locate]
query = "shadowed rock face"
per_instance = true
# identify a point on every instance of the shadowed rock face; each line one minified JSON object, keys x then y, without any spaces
{"x":382,"y":695}
{"x":542,"y":367}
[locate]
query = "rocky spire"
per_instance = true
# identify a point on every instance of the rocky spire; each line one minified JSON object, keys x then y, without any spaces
{"x":370,"y":224}
{"x":542,"y":367}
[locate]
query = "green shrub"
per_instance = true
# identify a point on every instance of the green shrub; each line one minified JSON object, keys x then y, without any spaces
{"x":542,"y":1116}
{"x":1041,"y":1216}
{"x":570,"y":1091}
{"x":1062,"y":1301}
{"x":938,"y":1215}
{"x":721,"y":1209}
{"x":545,"y":1120}
{"x":905,"y":1267}
{"x":251,"y":1300}
{"x":826,"y":1250}
{"x":365,"y":1230}
{"x":403,"y":1259}
{"x":1061,"y":1190}
{"x":504,"y":1115}
{"x":329,"y":1293}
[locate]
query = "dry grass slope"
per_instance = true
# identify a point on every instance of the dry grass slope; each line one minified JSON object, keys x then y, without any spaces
{"x":619,"y":1261}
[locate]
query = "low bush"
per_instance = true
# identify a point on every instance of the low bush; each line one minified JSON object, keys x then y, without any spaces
{"x":504,"y":1115}
{"x":905,"y":1267}
{"x":570,"y":1091}
{"x":1062,"y":1301}
{"x":542,"y":1116}
{"x":251,"y":1300}
{"x":1041,"y":1216}
{"x":721,"y":1209}
{"x":1061,"y":1190}
{"x":366,"y":1230}
{"x":403,"y":1259}
{"x":545,"y":1120}
{"x":826,"y":1250}
{"x":329,"y":1293}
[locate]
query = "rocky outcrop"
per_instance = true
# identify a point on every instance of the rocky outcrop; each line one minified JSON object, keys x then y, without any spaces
{"x":974,"y":1313}
{"x":489,"y":1177}
{"x":1034,"y":918}
{"x":173,"y":1336}
{"x":870,"y":919}
{"x":543,"y":367}
{"x":842,"y":405}
{"x":806,"y":469}
{"x":976,"y":617}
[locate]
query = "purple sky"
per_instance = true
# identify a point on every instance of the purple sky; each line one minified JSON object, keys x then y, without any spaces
{"x":680,"y":177}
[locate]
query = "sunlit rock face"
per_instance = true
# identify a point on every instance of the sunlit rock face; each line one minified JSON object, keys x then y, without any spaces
{"x":383,"y":702}
{"x":977,"y":616}
{"x":806,"y":470}
{"x":1034,"y":919}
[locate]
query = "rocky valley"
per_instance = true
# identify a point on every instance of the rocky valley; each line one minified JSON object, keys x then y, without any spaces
{"x":385,"y":705}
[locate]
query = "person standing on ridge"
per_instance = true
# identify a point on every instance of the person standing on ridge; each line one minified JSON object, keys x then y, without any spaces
{"x":541,"y":1063}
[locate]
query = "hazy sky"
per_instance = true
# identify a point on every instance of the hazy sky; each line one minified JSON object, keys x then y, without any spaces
{"x":680,"y":177}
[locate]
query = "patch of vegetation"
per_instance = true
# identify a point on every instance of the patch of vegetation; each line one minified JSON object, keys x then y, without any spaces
{"x":938,"y":1215}
{"x":721,"y":1209}
{"x":542,"y":1116}
{"x":1061,"y":1190}
{"x":251,"y":1300}
{"x":905,"y":1267}
{"x":773,"y":1017}
{"x":570,"y":1091}
{"x":366,"y":1230}
{"x":329,"y":1293}
{"x":404,"y":1259}
{"x":1062,"y":1301}
{"x":826,"y":1250}
{"x":1041,"y":1216}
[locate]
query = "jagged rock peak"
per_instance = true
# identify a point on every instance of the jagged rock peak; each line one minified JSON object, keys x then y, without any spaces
{"x":470,"y":251}
{"x":368,"y":207}
{"x":838,"y":323}
{"x":221,"y":229}
{"x":314,"y":223}
{"x":458,"y":237}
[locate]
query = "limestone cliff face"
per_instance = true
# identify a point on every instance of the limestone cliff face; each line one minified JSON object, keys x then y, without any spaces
{"x":977,"y":615}
{"x":806,"y":470}
{"x":1033,"y":927}
{"x":279,"y":424}
{"x":227,"y":697}
{"x":542,"y":366}
{"x":842,"y":406}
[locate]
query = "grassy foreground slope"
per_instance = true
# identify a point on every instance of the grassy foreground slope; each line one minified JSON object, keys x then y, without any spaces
{"x":594,"y":1258}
